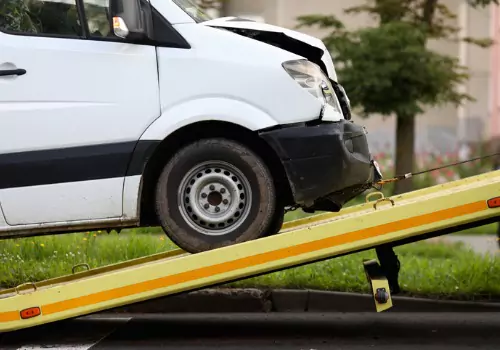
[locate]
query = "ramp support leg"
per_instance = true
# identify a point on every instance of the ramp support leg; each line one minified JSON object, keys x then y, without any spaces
{"x":379,"y":285}
{"x":390,"y":265}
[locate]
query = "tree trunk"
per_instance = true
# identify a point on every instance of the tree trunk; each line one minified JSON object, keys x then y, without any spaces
{"x":405,"y":155}
{"x":405,"y":129}
{"x":429,"y":11}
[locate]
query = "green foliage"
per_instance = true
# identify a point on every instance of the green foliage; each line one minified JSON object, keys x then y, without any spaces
{"x":388,"y":69}
{"x":39,"y":17}
{"x":322,"y":22}
{"x":476,"y":3}
{"x":15,"y":16}
{"x":434,"y":270}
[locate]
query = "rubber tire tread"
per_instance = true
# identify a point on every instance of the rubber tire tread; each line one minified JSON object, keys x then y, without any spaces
{"x":277,"y":222}
{"x":263,"y":204}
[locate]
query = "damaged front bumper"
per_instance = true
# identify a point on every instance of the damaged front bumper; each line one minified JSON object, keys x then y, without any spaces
{"x":327,"y":164}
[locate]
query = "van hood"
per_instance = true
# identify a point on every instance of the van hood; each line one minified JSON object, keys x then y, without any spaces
{"x":298,"y":43}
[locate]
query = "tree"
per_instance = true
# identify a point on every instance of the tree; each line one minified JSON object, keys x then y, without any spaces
{"x":38,"y":17}
{"x":389,"y":70}
{"x":15,"y":16}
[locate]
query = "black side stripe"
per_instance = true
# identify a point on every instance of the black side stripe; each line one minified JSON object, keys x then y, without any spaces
{"x":143,"y":151}
{"x":74,"y":164}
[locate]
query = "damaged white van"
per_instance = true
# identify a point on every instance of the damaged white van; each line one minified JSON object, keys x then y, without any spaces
{"x":120,"y":113}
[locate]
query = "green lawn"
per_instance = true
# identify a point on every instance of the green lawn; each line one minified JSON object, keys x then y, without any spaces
{"x":429,"y":269}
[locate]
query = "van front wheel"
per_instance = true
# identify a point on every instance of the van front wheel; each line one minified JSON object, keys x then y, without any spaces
{"x":214,"y":193}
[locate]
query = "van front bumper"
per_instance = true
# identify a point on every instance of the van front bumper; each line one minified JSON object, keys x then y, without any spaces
{"x":326,"y":164}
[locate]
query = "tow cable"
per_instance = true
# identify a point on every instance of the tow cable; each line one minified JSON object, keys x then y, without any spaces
{"x":389,"y":262}
{"x":383,"y":182}
{"x":410,"y":175}
{"x":388,"y":259}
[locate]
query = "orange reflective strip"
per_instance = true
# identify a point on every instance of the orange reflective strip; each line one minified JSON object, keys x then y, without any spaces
{"x":263,"y":258}
{"x":255,"y":260}
{"x":9,"y":316}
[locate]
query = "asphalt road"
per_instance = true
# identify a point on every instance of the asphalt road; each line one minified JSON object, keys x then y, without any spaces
{"x":389,"y":331}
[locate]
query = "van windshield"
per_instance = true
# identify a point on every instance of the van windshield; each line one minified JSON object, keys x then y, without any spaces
{"x":193,"y":10}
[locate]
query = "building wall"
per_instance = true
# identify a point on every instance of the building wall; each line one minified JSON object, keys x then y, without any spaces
{"x":440,"y":129}
{"x":494,"y":124}
{"x":266,"y":9}
{"x":477,"y":114}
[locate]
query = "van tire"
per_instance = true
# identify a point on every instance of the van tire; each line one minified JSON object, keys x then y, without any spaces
{"x":243,"y":192}
{"x":277,"y":222}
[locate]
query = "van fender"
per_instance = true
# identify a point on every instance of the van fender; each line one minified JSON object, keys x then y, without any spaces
{"x":174,"y":118}
{"x":205,"y":109}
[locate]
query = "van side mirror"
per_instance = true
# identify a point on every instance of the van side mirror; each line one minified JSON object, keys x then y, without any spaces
{"x":131,"y":20}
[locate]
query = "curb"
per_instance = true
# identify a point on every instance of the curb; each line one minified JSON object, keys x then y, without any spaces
{"x":265,"y":301}
{"x":205,"y":301}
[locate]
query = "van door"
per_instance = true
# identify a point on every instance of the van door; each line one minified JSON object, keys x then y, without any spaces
{"x":2,"y":218}
{"x":74,"y":100}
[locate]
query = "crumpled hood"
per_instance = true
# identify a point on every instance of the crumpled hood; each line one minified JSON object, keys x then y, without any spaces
{"x":298,"y":43}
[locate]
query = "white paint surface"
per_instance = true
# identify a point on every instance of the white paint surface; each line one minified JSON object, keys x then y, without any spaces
{"x":86,"y":200}
{"x":85,"y":92}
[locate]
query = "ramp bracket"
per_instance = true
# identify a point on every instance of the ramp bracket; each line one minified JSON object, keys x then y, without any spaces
{"x":378,"y":284}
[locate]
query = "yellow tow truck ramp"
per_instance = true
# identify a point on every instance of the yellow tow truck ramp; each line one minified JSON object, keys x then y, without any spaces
{"x":381,"y":221}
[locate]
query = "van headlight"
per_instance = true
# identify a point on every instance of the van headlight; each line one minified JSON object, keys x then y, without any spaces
{"x":311,"y":77}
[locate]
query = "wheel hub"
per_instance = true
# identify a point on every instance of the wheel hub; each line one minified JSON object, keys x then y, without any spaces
{"x":215,"y":198}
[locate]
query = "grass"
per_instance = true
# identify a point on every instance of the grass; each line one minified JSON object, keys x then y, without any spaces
{"x":435,"y":270}
{"x":428,"y":269}
{"x":431,"y":270}
{"x":490,"y":229}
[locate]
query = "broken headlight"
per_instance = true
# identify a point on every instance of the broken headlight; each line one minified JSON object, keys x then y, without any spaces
{"x":311,"y":77}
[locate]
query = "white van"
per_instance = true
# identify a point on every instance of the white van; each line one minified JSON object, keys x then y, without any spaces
{"x":120,"y":113}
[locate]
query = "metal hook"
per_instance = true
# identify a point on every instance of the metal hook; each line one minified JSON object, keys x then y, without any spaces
{"x":80,"y":265}
{"x":369,"y":195}
{"x":381,"y":199}
{"x":25,"y":284}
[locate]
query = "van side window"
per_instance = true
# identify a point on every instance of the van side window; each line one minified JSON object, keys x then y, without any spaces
{"x":37,"y":17}
{"x":98,"y":18}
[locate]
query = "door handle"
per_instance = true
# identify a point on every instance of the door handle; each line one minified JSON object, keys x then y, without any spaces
{"x":8,"y":72}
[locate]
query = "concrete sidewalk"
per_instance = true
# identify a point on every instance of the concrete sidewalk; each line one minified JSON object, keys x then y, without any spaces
{"x":482,"y":244}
